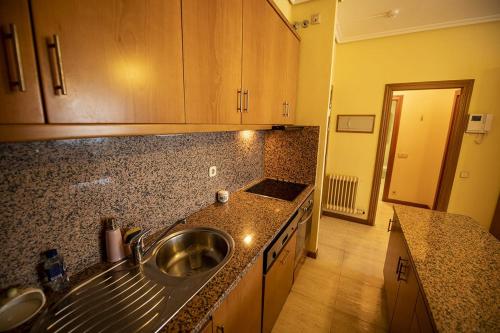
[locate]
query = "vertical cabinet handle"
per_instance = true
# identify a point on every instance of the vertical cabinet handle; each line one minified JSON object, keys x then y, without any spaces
{"x":284,"y":109}
{"x":403,"y":264}
{"x":389,"y":226}
{"x":55,"y":45}
{"x":246,"y":97}
{"x":19,"y":81}
{"x":238,"y":101}
{"x":287,"y":109}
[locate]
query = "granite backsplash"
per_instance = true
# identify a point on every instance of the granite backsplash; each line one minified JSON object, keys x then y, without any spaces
{"x":292,"y":154}
{"x":54,"y":194}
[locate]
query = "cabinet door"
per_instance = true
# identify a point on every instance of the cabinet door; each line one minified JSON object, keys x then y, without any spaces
{"x":407,"y":296}
{"x":278,"y":283}
{"x":114,"y":61}
{"x":424,"y":320}
{"x":391,"y":266}
{"x":208,"y":327}
{"x":242,"y":309}
{"x":262,"y":63}
{"x":290,"y":75}
{"x":20,"y":98}
{"x":212,"y":33}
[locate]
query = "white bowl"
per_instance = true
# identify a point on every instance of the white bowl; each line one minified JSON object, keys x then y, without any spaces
{"x":21,"y":308}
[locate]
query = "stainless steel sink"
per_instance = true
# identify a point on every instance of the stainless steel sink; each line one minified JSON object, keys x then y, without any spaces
{"x":130,"y":298}
{"x":192,"y":252}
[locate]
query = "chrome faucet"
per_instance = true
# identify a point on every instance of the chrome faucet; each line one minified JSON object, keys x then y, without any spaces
{"x":137,"y":243}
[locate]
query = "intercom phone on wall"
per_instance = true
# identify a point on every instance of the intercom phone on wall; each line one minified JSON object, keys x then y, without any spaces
{"x":479,"y":123}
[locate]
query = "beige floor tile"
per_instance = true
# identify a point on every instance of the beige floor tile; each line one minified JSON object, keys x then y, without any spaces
{"x":363,"y":269}
{"x":362,"y":301}
{"x":345,"y":323}
{"x":302,"y":314}
{"x":318,"y":286}
{"x":341,"y":290}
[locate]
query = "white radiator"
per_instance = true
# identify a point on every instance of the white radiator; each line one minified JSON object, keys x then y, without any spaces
{"x":342,"y":192}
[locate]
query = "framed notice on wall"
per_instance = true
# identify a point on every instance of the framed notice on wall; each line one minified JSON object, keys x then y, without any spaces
{"x":357,"y":123}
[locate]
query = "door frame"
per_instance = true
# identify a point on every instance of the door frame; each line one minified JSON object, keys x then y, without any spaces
{"x":457,"y":129}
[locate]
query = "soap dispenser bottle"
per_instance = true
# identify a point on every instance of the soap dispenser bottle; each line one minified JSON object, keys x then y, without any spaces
{"x":114,"y":242}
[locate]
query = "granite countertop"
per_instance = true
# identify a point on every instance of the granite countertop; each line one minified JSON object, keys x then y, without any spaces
{"x":458,"y":267}
{"x":245,"y":214}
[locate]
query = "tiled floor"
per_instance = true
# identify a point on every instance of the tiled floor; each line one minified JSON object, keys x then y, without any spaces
{"x":341,"y":291}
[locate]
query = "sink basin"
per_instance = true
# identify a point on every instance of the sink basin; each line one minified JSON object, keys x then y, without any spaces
{"x":191,"y":252}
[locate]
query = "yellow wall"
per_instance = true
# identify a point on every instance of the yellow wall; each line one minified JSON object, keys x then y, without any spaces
{"x":363,"y":68}
{"x":285,"y":7}
{"x":315,"y":67}
{"x":423,"y":130}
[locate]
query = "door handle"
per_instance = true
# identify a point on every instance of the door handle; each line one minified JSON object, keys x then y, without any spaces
{"x":56,"y":46}
{"x":19,"y":81}
{"x":246,"y":97}
{"x":238,"y":101}
{"x":220,"y":328}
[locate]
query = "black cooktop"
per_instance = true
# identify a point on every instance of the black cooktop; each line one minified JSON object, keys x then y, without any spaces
{"x":277,"y":189}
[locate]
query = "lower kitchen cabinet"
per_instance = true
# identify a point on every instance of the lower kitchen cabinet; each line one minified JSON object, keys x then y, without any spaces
{"x":422,"y":316}
{"x":241,"y":310}
{"x":407,"y":311}
{"x":208,"y":327}
{"x":278,"y":283}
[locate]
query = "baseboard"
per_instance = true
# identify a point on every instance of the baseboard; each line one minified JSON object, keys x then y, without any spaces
{"x":312,"y":254}
{"x":345,"y":217}
{"x":407,"y":203}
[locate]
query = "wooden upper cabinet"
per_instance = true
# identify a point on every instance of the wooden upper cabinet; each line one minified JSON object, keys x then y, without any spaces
{"x":114,"y":61}
{"x":291,"y":75}
{"x":20,"y":100}
{"x":262,"y":63}
{"x":212,"y":34}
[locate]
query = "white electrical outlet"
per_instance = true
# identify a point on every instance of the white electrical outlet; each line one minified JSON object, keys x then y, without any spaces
{"x":212,"y":171}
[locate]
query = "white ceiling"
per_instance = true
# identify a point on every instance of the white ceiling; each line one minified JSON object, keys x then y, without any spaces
{"x":366,"y":19}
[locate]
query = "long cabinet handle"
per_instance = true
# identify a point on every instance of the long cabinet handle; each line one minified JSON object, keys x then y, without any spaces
{"x":404,"y":264}
{"x":19,"y":81}
{"x":238,"y":101}
{"x":389,"y":226}
{"x":56,"y":46}
{"x":246,"y":97}
{"x":287,"y":109}
{"x":284,"y":109}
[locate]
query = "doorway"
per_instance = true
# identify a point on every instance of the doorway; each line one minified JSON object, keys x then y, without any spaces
{"x":390,"y":128}
{"x":417,"y":140}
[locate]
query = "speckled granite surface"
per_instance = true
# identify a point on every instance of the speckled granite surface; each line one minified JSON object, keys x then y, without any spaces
{"x":245,"y":214}
{"x":292,"y":155}
{"x":54,"y":194}
{"x":458,"y":265}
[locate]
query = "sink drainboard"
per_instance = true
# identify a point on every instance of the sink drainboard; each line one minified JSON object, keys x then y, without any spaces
{"x":115,"y":301}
